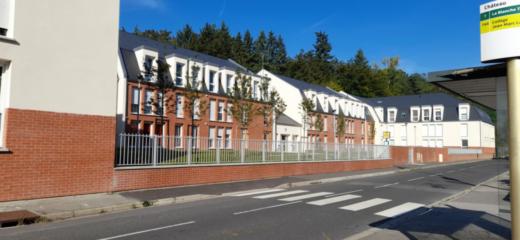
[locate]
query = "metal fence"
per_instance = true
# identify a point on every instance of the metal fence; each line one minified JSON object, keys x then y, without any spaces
{"x":144,"y":150}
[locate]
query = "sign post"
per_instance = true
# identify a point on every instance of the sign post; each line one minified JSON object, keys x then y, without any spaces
{"x":500,"y":42}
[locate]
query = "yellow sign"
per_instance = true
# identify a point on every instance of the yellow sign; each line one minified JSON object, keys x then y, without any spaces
{"x":386,"y":135}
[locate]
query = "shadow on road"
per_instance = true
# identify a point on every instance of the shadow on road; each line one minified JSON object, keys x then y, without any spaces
{"x":448,"y":223}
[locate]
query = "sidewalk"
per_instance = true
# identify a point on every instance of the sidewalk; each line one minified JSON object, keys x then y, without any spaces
{"x":60,"y":208}
{"x":481,"y":213}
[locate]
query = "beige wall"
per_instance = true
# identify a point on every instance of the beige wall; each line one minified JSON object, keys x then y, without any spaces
{"x":66,"y":56}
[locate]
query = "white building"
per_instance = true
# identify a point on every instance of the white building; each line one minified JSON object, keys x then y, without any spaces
{"x":431,"y":120}
{"x":329,"y":103}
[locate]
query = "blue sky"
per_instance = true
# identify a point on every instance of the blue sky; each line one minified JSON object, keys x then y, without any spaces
{"x":426,"y":35}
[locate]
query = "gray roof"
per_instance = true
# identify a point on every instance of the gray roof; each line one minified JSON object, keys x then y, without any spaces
{"x":287,"y":121}
{"x":450,"y":103}
{"x":128,"y":42}
{"x":302,"y":86}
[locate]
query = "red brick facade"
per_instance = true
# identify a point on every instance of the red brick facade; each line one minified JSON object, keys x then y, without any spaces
{"x":357,"y":131}
{"x":55,"y":154}
{"x":150,"y":123}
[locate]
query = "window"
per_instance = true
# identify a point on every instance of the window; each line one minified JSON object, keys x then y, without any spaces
{"x":228,"y":138}
{"x":211,"y":139}
{"x":464,"y":143}
{"x":229,"y":116}
{"x":362,"y":128}
{"x":392,"y":113}
{"x":148,"y":103}
{"x":212,"y":81}
{"x":196,"y":109}
{"x":135,"y":100}
{"x":220,"y":137}
{"x":179,"y":106}
{"x":426,"y":114}
{"x":133,"y":127}
{"x":220,"y":112}
{"x":464,"y":112}
{"x":325,"y":123}
{"x":255,"y":90}
{"x":148,"y":72}
{"x":438,"y":112}
{"x":325,"y":104}
{"x":178,"y":136}
{"x":178,"y":73}
{"x":414,"y":116}
{"x":5,"y":17}
{"x":160,"y":101}
{"x":229,"y":83}
{"x":212,"y":110}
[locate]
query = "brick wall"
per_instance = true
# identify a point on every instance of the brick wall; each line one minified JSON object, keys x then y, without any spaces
{"x":55,"y":154}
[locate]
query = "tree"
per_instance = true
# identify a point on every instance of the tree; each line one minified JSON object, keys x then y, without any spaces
{"x":163,"y":84}
{"x":242,"y":108}
{"x":340,"y":125}
{"x":272,"y":106}
{"x":195,"y":104}
{"x":307,"y":106}
{"x":322,"y":47}
{"x":260,"y":51}
{"x":163,"y":36}
{"x":187,"y":38}
{"x":318,"y":122}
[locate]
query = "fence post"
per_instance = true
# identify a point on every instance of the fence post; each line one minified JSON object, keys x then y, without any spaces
{"x":359,"y":152}
{"x":190,"y":147}
{"x":218,"y":150}
{"x":154,"y":152}
{"x":282,"y":149}
{"x":326,"y":151}
{"x":242,"y":151}
{"x":299,"y":148}
{"x":264,"y":145}
{"x":313,"y":150}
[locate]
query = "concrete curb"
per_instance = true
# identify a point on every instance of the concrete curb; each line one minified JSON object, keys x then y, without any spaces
{"x":398,"y":221}
{"x":375,"y":174}
{"x":198,"y":197}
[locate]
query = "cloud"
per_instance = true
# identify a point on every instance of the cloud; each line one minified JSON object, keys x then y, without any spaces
{"x":152,"y":4}
{"x":319,"y":23}
{"x":222,"y":9}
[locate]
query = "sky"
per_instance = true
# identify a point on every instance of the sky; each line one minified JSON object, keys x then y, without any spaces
{"x":426,"y":35}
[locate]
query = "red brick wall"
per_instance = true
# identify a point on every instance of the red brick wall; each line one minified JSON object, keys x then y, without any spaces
{"x":56,"y":154}
{"x":167,"y":177}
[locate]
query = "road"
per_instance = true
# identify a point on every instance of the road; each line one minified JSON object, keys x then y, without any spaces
{"x":323,"y":211}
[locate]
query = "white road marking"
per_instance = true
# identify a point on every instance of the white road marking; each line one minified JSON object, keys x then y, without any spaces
{"x":337,"y":194}
{"x":249,"y":193}
{"x":386,"y":185}
{"x":415,"y":179}
{"x":399,"y":210}
{"x":149,"y":230}
{"x":365,"y":204}
{"x":332,"y":200}
{"x":306,"y":196}
{"x":263,"y":208}
{"x":280,"y":194}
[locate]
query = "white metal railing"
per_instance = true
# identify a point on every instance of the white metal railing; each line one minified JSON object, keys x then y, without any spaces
{"x":136,"y":150}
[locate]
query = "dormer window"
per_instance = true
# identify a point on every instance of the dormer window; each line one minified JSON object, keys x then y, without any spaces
{"x":391,"y":115}
{"x":438,"y":113}
{"x":426,"y":114}
{"x":414,"y":114}
{"x":379,"y":112}
{"x":464,"y":112}
{"x":178,"y":73}
{"x":229,"y":84}
{"x":212,"y":81}
{"x":148,"y":68}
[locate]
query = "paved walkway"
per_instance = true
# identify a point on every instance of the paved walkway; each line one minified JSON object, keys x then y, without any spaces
{"x":481,"y":213}
{"x":75,"y":206}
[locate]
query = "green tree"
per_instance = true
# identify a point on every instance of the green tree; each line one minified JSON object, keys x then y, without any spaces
{"x":186,"y":38}
{"x":163,"y":84}
{"x":242,"y":108}
{"x":340,"y":125}
{"x":194,"y":101}
{"x":307,"y":107}
{"x":272,"y":103}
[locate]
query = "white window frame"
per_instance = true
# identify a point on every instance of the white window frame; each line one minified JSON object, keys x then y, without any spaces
{"x":228,"y":136}
{"x":136,"y":95}
{"x":229,"y":116}
{"x":220,"y":111}
{"x":196,"y":109}
{"x":468,"y":109}
{"x":388,"y":115}
{"x":148,"y":102}
{"x":179,"y":74}
{"x":211,"y":81}
{"x":212,"y":110}
{"x":178,"y":136}
{"x":211,"y":137}
{"x":437,"y":109}
{"x":426,"y":117}
{"x":179,"y":106}
{"x":412,"y":117}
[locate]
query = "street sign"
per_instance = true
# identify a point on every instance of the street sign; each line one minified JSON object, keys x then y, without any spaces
{"x":386,"y":135}
{"x":500,"y":30}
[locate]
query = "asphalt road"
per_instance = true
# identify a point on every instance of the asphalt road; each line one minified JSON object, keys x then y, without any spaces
{"x":324,"y":211}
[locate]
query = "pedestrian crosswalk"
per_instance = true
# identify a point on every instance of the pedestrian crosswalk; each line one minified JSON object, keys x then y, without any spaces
{"x":346,"y":202}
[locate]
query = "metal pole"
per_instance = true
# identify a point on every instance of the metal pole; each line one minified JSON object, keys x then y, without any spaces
{"x":513,"y":81}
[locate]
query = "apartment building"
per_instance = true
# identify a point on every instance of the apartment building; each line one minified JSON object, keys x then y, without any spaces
{"x":57,"y":96}
{"x":212,"y":78}
{"x":432,"y":120}
{"x":329,"y":105}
